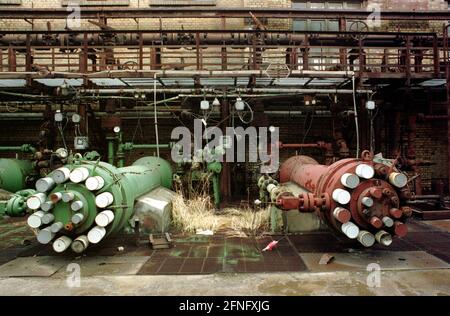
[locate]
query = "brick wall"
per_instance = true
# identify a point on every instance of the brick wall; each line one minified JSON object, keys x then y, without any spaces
{"x":410,"y":5}
{"x":431,"y":144}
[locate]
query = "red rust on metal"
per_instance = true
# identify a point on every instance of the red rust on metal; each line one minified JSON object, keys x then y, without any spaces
{"x":381,"y":170}
{"x":69,"y":227}
{"x":366,"y":155}
{"x":401,"y":230}
{"x":343,"y":215}
{"x":288,"y":203}
{"x":376,"y":193}
{"x":376,"y":222}
{"x":407,"y":211}
{"x":395,"y":212}
{"x":321,"y":181}
{"x":394,"y":200}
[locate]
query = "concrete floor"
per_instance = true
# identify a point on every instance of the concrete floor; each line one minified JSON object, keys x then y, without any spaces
{"x":443,"y":224}
{"x":416,"y":275}
{"x":392,"y":283}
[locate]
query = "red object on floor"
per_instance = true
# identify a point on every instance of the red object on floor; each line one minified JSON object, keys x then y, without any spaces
{"x":271,"y":245}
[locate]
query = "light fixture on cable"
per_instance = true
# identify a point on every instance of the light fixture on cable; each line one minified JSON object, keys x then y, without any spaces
{"x":204,"y":105}
{"x":370,"y":105}
{"x":216,"y":102}
{"x":59,"y":116}
{"x":76,"y":118}
{"x":239,"y":105}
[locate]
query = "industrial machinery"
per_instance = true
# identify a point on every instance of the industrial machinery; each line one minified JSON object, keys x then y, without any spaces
{"x":117,"y":147}
{"x":361,"y":199}
{"x":18,"y":174}
{"x":85,"y":201}
{"x":15,"y":174}
{"x":202,"y":172}
{"x":16,"y":204}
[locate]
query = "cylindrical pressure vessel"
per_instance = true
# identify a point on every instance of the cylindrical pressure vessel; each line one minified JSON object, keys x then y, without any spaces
{"x":349,"y":187}
{"x":78,"y":210}
{"x":14,"y":173}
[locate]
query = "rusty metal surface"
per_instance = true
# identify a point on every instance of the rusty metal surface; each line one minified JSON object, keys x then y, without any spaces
{"x":323,"y":181}
{"x":51,"y":51}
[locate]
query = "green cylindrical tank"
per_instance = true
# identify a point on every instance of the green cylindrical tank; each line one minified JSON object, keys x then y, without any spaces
{"x":91,"y":200}
{"x":14,"y":173}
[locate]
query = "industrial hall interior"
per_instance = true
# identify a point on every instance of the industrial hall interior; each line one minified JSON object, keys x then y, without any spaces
{"x":225,"y":147}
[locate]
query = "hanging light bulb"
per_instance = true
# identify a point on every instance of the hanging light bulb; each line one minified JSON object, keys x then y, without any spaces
{"x":216,"y":102}
{"x":239,"y":105}
{"x":204,"y":105}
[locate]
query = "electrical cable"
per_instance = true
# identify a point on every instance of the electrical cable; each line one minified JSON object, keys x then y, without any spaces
{"x":138,"y":126}
{"x":307,"y":131}
{"x":356,"y":117}
{"x":155,"y":114}
{"x":61,"y":131}
{"x":240,"y":115}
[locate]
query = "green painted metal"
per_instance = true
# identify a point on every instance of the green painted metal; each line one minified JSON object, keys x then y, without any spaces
{"x":216,"y":190}
{"x":14,"y":174}
{"x":123,"y":147}
{"x":16,"y":205}
{"x":131,"y":146}
{"x":91,"y":155}
{"x":120,"y":154}
{"x":215,"y":168}
{"x":125,"y":184}
{"x":25,"y":148}
{"x":117,"y":148}
{"x":111,"y":152}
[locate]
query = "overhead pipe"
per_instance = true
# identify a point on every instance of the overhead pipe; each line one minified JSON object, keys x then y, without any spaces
{"x":25,"y":148}
{"x":237,"y":90}
{"x":169,"y":74}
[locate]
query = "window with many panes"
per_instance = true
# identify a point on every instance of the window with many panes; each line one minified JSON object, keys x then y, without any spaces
{"x":322,"y":24}
{"x":322,"y":58}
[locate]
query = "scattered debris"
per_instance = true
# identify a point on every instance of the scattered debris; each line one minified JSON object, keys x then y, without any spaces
{"x":120,"y":248}
{"x":273,"y":244}
{"x":162,"y":241}
{"x":326,"y":259}
{"x":206,"y":232}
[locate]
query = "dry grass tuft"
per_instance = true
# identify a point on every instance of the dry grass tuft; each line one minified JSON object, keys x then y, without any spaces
{"x":190,"y":215}
{"x":197,"y":213}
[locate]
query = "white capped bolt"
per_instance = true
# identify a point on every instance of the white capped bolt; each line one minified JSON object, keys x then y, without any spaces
{"x":350,"y":180}
{"x":365,"y":171}
{"x":341,"y":196}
